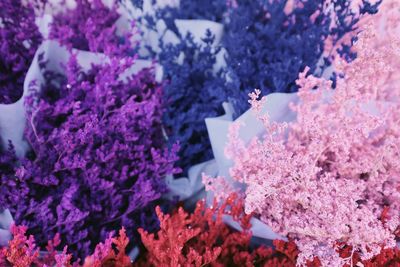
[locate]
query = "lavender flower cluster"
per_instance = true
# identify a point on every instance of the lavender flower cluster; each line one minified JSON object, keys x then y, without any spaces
{"x":19,"y":39}
{"x":91,"y":26}
{"x":97,"y":156}
{"x":262,"y":39}
{"x":97,"y":159}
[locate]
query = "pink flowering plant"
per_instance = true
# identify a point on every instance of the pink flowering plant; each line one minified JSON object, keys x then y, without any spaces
{"x":385,"y":29}
{"x":325,"y":179}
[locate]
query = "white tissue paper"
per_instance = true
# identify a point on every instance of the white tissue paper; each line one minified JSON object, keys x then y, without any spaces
{"x":277,"y":107}
{"x":186,"y":187}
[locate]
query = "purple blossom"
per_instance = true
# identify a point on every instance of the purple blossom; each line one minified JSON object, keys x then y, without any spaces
{"x":91,"y":26}
{"x":19,"y":39}
{"x":8,"y":161}
{"x":98,"y":159}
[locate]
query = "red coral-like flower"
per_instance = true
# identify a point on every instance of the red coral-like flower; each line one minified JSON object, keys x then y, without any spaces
{"x":22,"y":251}
{"x":105,"y":255}
{"x":203,"y":239}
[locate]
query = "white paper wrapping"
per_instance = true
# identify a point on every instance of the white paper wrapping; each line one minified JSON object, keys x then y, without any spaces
{"x":277,"y":107}
{"x":6,"y":221}
{"x":188,"y":188}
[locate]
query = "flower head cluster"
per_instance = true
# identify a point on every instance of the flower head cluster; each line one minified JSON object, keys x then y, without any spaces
{"x":214,"y":10}
{"x":19,"y":39}
{"x":189,"y":68}
{"x":98,"y":158}
{"x":92,"y":26}
{"x":387,"y":257}
{"x":384,"y":30}
{"x":270,"y":42}
{"x":22,"y":251}
{"x":196,"y":80}
{"x":327,"y":177}
{"x":8,"y":163}
{"x":106,"y":255}
{"x":203,"y":239}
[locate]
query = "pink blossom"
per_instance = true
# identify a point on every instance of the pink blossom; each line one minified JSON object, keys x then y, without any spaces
{"x":326,"y":178}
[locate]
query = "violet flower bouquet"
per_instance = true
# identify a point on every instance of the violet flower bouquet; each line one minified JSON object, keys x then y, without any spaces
{"x":97,"y":159}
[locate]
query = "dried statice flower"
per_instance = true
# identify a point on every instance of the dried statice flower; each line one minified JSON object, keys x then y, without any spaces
{"x":266,"y":47}
{"x":8,"y":163}
{"x":22,"y":251}
{"x":194,"y":79}
{"x":387,"y":257}
{"x":19,"y":39}
{"x":385,"y":28}
{"x":327,"y":177}
{"x":189,"y":69}
{"x":98,"y":159}
{"x":268,"y":44}
{"x":138,"y":3}
{"x":105,"y":255}
{"x":92,"y":26}
{"x":214,"y":10}
{"x":203,"y":239}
